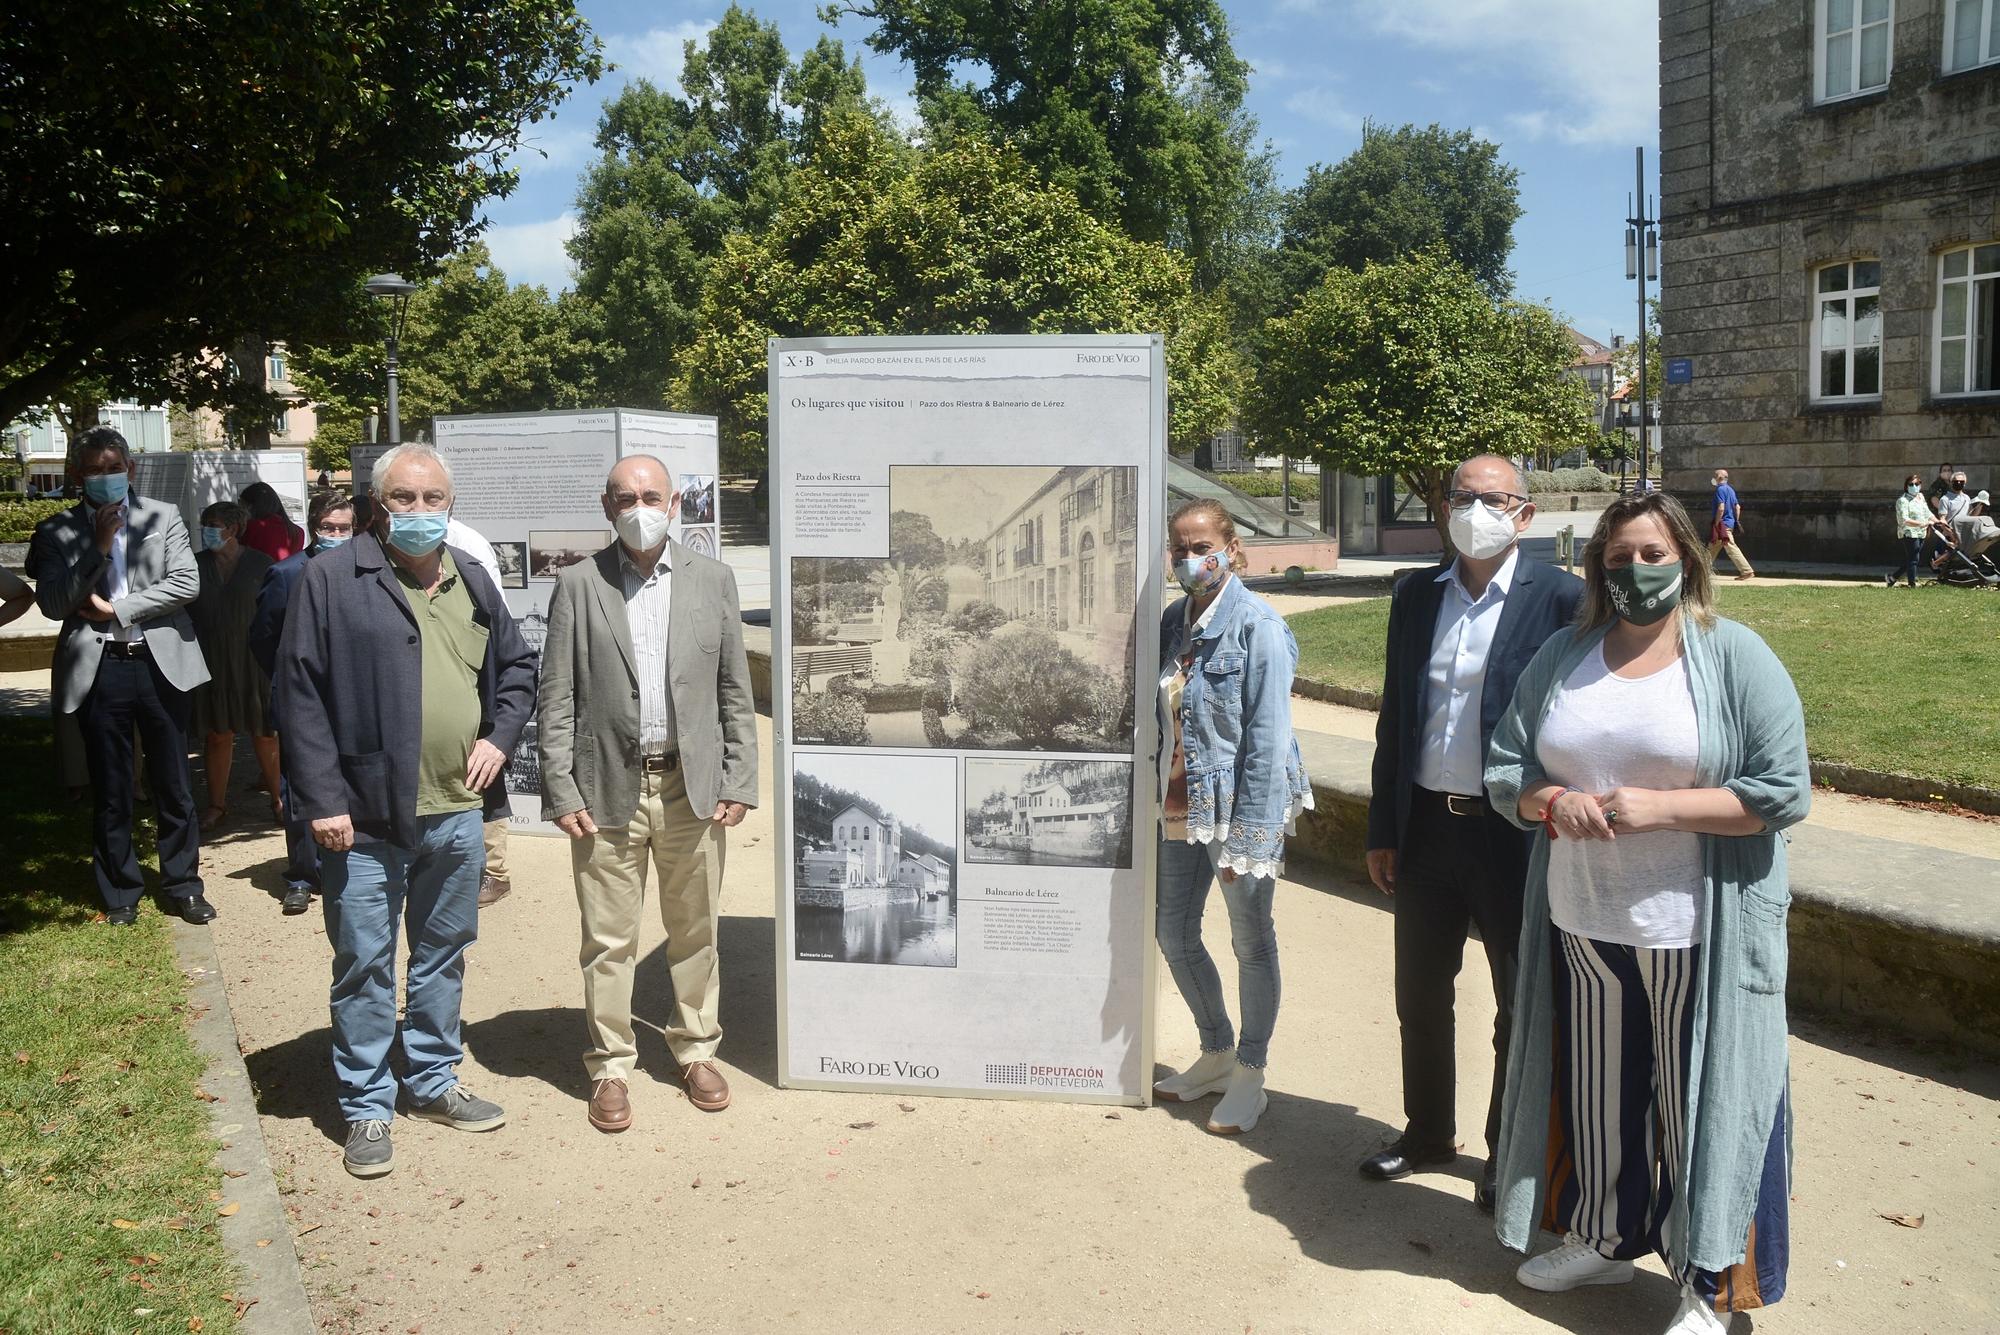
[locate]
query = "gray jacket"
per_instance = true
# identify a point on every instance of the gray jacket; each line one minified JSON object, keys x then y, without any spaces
{"x":589,"y":733}
{"x":66,"y":566}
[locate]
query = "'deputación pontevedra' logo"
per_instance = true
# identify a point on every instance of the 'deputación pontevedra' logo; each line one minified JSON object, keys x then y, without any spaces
{"x":1037,"y":1075}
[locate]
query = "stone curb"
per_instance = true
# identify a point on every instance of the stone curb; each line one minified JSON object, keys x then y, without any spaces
{"x":1841,"y":778}
{"x":271,"y":1273}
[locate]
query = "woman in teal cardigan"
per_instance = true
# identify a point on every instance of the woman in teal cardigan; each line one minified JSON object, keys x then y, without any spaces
{"x":1659,"y":752}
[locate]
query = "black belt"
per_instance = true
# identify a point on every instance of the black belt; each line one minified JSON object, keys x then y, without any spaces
{"x":660,"y":764}
{"x":127,"y":649}
{"x":1455,"y":803}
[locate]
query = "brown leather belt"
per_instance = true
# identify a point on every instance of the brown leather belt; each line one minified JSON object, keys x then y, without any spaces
{"x":660,"y":764}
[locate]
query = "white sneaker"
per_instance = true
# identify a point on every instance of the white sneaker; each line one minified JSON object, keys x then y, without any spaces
{"x":1242,"y":1103}
{"x":1571,"y":1266}
{"x":1209,"y":1075}
{"x":1696,"y":1317}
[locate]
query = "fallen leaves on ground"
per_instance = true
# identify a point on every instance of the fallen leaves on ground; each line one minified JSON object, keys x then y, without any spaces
{"x":1902,"y":1220}
{"x":230,"y":1209}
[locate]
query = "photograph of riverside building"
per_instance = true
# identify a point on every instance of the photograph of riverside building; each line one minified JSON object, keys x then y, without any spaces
{"x":1001,"y":619}
{"x":1830,"y":261}
{"x":1050,"y":813}
{"x":870,"y":883}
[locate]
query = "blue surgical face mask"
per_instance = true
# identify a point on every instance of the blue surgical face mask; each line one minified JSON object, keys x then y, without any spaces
{"x":106,"y":488}
{"x":1913,"y":490}
{"x":212,"y":537}
{"x":327,"y":541}
{"x":417,"y":534}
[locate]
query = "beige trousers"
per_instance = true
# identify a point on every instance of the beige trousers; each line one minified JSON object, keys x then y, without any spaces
{"x":1736,"y":557}
{"x":495,"y":832}
{"x":610,"y":869}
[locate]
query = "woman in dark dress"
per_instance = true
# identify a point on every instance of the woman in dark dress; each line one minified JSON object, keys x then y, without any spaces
{"x":237,"y":696}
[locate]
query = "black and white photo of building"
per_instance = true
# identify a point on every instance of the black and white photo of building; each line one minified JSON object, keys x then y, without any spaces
{"x":512,"y":559}
{"x":549,"y":550}
{"x":874,"y":865}
{"x":1049,"y":813}
{"x":1002,"y":618}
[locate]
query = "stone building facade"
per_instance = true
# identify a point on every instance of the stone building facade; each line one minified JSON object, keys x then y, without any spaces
{"x":1830,"y":196}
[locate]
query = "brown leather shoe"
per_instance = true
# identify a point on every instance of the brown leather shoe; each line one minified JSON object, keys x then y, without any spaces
{"x":610,"y":1106}
{"x":492,"y":890}
{"x":706,"y":1088}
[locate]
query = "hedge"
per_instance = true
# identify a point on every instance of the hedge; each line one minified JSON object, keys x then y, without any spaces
{"x":1571,"y":479}
{"x":17,"y":521}
{"x":1305,"y":486}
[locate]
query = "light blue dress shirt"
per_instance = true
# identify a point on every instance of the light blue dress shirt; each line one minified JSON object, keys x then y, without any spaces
{"x":1451,"y":760}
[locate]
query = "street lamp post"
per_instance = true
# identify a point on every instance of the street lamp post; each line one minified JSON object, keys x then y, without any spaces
{"x":394,"y":289}
{"x":1640,"y":234}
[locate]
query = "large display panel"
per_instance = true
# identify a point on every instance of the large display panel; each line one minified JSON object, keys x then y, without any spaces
{"x":966,"y":586}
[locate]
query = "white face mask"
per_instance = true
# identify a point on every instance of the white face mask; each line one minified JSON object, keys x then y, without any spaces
{"x":643,"y":528}
{"x":1480,"y":534}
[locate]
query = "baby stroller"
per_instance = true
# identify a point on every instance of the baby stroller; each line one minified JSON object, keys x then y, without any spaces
{"x":1957,"y":565}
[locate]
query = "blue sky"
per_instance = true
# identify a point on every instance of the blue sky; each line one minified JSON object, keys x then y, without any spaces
{"x":1566,"y":88}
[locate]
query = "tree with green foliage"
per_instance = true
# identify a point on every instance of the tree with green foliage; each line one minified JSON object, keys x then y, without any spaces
{"x":873,"y":238}
{"x":1134,"y":106}
{"x":677,"y":175}
{"x":1403,"y":191}
{"x":472,"y":343}
{"x":237,"y":169}
{"x":1410,"y":368}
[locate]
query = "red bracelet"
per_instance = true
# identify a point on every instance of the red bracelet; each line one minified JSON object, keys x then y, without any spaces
{"x":1549,"y":813}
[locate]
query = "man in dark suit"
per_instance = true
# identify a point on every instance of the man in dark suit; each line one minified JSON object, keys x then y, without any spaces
{"x":117,"y":571}
{"x":1459,"y":637}
{"x":329,"y":524}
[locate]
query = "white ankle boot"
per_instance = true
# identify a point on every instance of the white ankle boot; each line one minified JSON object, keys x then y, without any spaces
{"x":1695,"y":1317}
{"x":1242,"y":1103}
{"x":1209,"y":1075}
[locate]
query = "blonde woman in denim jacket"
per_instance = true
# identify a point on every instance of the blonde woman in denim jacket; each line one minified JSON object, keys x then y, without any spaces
{"x":1232,"y":784}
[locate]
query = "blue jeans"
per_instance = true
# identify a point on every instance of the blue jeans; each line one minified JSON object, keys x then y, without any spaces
{"x":301,"y":853}
{"x":434,"y":887}
{"x":1185,"y":876}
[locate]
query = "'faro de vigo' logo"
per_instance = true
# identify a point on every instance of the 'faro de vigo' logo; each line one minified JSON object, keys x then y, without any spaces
{"x":876,"y":1070}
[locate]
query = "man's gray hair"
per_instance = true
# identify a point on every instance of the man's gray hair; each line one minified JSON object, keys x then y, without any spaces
{"x":378,"y":476}
{"x":95,"y":439}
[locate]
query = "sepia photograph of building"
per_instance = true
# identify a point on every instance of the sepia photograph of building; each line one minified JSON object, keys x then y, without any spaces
{"x":1049,"y":813}
{"x":551,"y":550}
{"x":1002,"y":618}
{"x":874,"y":870}
{"x":1830,"y":272}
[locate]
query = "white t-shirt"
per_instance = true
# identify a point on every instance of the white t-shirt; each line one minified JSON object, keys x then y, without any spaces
{"x":1603,"y":732}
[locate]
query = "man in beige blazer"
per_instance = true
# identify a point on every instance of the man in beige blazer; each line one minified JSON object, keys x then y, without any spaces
{"x":648,"y":740}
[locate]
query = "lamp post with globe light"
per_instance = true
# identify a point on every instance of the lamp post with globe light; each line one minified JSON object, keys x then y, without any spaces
{"x":396,"y":290}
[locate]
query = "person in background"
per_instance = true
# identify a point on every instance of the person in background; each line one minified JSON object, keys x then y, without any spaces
{"x":237,"y":695}
{"x":1656,"y":753}
{"x":270,"y":530}
{"x":1231,"y":786}
{"x":1913,"y":526}
{"x":1951,"y":503}
{"x":1726,"y":526}
{"x":404,"y":684}
{"x":649,"y":756}
{"x":330,"y":521}
{"x":494,"y":883}
{"x":117,"y":571}
{"x":1978,"y":534}
{"x":1458,"y":638}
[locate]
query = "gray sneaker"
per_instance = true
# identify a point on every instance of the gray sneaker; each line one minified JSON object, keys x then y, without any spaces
{"x":460,"y":1108}
{"x":369,"y":1153}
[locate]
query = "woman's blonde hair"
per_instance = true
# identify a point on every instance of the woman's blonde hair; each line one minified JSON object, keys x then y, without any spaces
{"x":1214,"y":511}
{"x":1697,"y":580}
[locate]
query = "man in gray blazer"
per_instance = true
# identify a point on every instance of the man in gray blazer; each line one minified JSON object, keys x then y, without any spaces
{"x":117,"y":571}
{"x":648,"y":742}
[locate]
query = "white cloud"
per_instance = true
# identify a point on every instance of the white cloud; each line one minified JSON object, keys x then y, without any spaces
{"x":1529,"y":125}
{"x":1317,"y":104}
{"x":551,"y":148}
{"x":532,"y":252}
{"x":1595,"y":66}
{"x":1271,"y":68}
{"x":658,"y":53}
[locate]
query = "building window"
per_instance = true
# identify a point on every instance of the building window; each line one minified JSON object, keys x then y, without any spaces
{"x":1969,"y":283}
{"x":1969,"y":38}
{"x":281,"y":423}
{"x":1086,"y":577}
{"x":276,"y":369}
{"x":1847,"y":331}
{"x":1851,"y":47}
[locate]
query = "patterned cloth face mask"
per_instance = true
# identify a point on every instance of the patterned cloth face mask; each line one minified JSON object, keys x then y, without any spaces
{"x":1202,"y":574}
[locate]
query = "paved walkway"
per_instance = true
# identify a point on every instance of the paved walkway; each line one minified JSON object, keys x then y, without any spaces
{"x":837,"y":1212}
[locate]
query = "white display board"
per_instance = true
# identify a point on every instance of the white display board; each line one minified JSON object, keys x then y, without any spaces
{"x":531,"y":484}
{"x":966,"y":583}
{"x":195,"y":480}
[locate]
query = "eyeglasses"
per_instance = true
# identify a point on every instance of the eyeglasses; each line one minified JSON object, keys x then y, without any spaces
{"x":1499,"y":502}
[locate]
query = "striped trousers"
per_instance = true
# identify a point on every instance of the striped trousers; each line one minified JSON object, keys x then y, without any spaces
{"x":1624,"y":1024}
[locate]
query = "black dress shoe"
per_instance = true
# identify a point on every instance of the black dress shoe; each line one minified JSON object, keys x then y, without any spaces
{"x":298,"y":898}
{"x":195,"y":909}
{"x":1403,"y":1158}
{"x":124,"y":917}
{"x":1488,"y":1188}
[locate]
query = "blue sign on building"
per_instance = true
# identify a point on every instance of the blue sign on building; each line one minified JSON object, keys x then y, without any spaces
{"x":1680,"y":370}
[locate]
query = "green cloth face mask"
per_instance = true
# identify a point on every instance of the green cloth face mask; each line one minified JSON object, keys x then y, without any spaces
{"x":1643,"y":594}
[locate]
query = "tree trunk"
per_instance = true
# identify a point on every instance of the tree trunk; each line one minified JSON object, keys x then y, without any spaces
{"x":1430,"y":484}
{"x":252,"y":358}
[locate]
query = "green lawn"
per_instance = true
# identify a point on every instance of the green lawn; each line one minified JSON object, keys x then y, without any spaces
{"x":107,"y":1186}
{"x":1898,"y":680}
